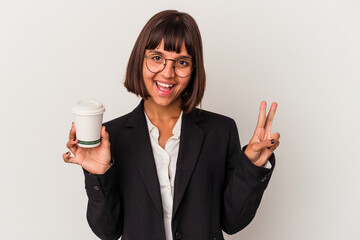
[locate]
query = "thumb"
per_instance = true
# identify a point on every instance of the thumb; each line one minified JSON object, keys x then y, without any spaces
{"x":257,"y":147}
{"x":104,"y":137}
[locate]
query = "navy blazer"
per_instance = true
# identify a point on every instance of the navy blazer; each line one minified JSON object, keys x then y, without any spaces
{"x":216,"y":186}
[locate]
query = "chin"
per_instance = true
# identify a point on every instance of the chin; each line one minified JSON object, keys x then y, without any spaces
{"x":163,"y":102}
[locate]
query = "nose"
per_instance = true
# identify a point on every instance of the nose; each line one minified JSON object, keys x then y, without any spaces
{"x":169,"y":70}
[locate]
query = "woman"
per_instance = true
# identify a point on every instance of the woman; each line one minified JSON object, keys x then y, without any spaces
{"x":168,"y":170}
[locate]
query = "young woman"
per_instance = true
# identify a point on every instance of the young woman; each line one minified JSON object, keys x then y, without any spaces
{"x":168,"y":170}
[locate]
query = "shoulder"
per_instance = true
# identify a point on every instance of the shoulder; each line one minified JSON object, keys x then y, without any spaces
{"x":211,"y":116}
{"x":115,"y":124}
{"x":208,"y":119}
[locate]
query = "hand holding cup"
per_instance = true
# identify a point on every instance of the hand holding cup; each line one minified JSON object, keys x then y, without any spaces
{"x":94,"y":160}
{"x":90,"y":144}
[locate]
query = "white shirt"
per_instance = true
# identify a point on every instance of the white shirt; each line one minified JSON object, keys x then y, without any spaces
{"x":165,"y":160}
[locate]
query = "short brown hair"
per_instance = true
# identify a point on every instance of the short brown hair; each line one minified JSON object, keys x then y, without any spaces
{"x":173,"y":27}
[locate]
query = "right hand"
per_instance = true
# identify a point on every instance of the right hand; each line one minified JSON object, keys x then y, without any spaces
{"x":94,"y":160}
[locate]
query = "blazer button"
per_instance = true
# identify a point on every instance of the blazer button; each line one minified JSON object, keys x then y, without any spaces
{"x":96,"y":188}
{"x":178,"y":235}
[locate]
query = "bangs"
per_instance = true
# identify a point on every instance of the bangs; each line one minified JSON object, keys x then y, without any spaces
{"x":173,"y":32}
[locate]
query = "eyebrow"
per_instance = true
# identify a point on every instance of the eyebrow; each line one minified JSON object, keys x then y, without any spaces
{"x":160,"y":53}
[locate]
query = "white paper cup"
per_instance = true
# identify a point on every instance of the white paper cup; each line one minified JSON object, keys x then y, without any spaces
{"x":88,"y":117}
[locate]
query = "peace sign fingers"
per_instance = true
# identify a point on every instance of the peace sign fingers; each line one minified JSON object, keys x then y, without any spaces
{"x":262,"y":115}
{"x":270,"y":117}
{"x":263,"y":143}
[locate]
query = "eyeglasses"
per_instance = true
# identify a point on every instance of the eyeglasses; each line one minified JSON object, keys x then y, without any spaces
{"x":156,"y":63}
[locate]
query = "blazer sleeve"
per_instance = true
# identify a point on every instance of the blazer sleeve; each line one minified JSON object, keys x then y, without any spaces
{"x":104,"y":211}
{"x":245,"y":184}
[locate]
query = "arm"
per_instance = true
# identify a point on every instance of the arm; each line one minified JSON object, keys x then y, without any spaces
{"x":104,"y":211}
{"x":244,"y":186}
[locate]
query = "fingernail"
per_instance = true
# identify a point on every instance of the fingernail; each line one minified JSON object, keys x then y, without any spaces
{"x":272,"y":141}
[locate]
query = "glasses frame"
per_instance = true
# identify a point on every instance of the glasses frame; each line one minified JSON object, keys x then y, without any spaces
{"x":166,"y":59}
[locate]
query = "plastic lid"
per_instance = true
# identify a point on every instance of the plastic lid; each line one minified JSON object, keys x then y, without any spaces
{"x":88,"y":107}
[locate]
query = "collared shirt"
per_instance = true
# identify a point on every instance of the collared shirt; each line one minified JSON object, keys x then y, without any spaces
{"x":165,"y":160}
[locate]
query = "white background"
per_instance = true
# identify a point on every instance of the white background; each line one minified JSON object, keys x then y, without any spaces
{"x":305,"y":55}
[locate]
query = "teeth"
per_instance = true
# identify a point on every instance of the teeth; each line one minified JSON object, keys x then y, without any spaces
{"x":164,"y":85}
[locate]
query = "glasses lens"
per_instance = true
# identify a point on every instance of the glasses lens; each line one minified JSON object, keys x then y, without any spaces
{"x":155,"y":63}
{"x":183,"y":67}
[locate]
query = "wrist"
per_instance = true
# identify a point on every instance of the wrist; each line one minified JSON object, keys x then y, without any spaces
{"x":253,"y":158}
{"x":248,"y":155}
{"x":98,"y":171}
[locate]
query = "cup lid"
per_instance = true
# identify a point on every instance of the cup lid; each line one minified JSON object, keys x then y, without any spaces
{"x":88,"y":107}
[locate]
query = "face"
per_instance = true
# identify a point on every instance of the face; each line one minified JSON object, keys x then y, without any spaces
{"x":165,"y":87}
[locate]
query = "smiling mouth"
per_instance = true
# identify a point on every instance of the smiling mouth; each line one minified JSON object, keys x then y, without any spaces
{"x":164,"y":86}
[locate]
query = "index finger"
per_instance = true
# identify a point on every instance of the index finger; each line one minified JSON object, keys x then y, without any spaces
{"x":270,"y":117}
{"x":72,"y":134}
{"x":262,"y":115}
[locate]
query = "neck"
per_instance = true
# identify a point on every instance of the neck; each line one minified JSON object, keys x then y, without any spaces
{"x":157,"y":112}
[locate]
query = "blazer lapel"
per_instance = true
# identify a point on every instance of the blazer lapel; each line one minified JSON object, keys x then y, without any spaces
{"x":191,"y":140}
{"x":140,"y":146}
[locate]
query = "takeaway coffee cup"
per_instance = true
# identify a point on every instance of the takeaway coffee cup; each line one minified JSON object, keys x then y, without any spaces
{"x":88,"y":116}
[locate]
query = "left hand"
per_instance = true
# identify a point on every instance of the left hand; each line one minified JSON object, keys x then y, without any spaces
{"x":263,"y":143}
